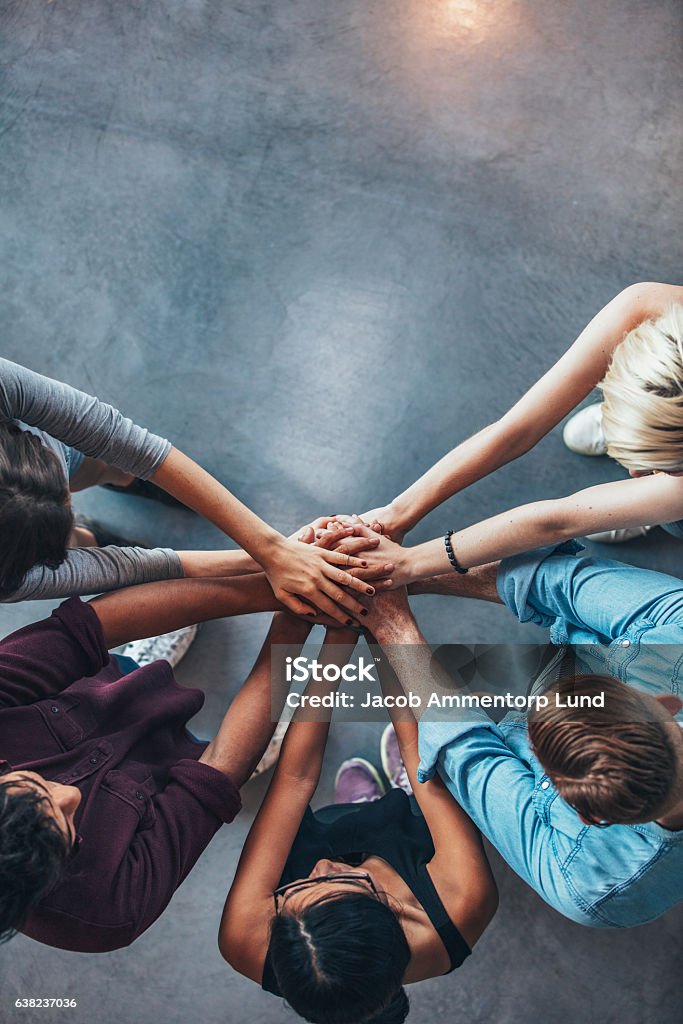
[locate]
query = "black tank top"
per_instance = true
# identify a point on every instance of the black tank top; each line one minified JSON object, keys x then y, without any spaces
{"x":391,"y":828}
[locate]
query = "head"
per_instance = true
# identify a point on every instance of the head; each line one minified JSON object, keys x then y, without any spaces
{"x":617,"y":764}
{"x":37,"y":835}
{"x":338,"y":950}
{"x":35,"y":508}
{"x":642,"y":412}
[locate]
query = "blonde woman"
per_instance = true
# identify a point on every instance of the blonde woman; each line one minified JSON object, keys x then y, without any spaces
{"x":633,"y":351}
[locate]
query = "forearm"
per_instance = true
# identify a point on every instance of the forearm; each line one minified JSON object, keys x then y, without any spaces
{"x":248,"y":725}
{"x":303,"y":749}
{"x":217,"y":563}
{"x":408,"y":654}
{"x":96,"y":570}
{"x":616,"y":505}
{"x":156,"y":608}
{"x":479,"y":582}
{"x":197,"y":489}
{"x":473,"y":459}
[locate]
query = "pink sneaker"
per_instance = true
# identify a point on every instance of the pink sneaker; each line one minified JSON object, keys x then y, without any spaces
{"x":357,"y":782}
{"x":393,"y":766}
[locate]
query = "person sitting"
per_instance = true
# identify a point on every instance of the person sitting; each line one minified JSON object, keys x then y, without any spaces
{"x":337,"y":909}
{"x":55,"y":439}
{"x":543,"y":792}
{"x":106,"y":801}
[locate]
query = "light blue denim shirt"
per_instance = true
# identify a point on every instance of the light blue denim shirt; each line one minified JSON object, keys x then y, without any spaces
{"x":630,"y":622}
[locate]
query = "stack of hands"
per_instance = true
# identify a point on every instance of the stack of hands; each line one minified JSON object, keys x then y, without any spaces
{"x":349,"y":559}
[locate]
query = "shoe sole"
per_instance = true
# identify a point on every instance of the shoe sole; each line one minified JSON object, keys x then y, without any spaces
{"x":367,"y":765}
{"x":384,"y":754}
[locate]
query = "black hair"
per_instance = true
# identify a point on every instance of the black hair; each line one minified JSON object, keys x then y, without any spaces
{"x":35,"y":513}
{"x":33,"y":855}
{"x":341,"y":960}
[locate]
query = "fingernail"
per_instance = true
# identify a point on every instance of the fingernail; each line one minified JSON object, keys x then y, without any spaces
{"x":311,"y":614}
{"x":364,"y":611}
{"x":370,"y":590}
{"x":349,"y":622}
{"x":301,"y":536}
{"x":364,"y":564}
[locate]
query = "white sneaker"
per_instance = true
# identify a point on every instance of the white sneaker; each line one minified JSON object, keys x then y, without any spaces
{"x":583,"y":432}
{"x":170,"y":647}
{"x":269,"y":759}
{"x":619,"y":536}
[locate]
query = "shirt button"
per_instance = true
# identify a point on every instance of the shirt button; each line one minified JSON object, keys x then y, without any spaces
{"x":75,"y":774}
{"x":625,"y":643}
{"x":545,"y":784}
{"x":54,"y":709}
{"x":94,"y":760}
{"x":139,"y":795}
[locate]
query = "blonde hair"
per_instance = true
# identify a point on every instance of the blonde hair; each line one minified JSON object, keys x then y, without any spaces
{"x":642,"y":412}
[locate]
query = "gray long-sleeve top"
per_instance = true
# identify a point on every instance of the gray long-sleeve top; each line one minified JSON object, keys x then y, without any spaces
{"x":101,"y":432}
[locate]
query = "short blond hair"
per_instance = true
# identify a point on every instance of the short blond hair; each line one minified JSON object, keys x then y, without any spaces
{"x":642,"y":412}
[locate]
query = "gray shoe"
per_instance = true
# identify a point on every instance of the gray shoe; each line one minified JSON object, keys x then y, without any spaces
{"x":583,"y":433}
{"x":619,"y":536}
{"x":170,"y":647}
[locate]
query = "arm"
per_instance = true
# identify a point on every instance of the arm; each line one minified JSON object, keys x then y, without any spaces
{"x":80,"y":420}
{"x":245,"y":925}
{"x":559,"y":391}
{"x":622,"y":503}
{"x":155,"y":608}
{"x":601,"y":595}
{"x":459,"y":869}
{"x":42,"y":659}
{"x":100,"y":431}
{"x":296,"y":571}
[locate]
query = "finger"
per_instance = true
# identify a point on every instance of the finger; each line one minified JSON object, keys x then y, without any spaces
{"x":383,"y":585}
{"x":376,"y":572}
{"x":348,"y":562}
{"x":355,"y":544}
{"x":377,"y":526}
{"x":296,"y":605}
{"x":345,"y":601}
{"x":329,"y":538}
{"x":345,"y":579}
{"x":307,"y":535}
{"x":334,"y":611}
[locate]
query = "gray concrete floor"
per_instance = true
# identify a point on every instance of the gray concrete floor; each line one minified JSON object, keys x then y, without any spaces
{"x":316,"y":245}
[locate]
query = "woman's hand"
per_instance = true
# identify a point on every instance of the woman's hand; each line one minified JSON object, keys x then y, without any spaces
{"x":387,"y":521}
{"x":382,"y":551}
{"x":312,"y":574}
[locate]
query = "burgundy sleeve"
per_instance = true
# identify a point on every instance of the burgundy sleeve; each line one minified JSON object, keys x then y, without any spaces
{"x":47,"y":656}
{"x":196,"y":801}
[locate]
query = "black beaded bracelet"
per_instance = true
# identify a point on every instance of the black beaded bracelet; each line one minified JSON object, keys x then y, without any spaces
{"x":451,"y":557}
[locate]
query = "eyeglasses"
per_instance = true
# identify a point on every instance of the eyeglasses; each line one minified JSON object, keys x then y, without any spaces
{"x":343,"y":877}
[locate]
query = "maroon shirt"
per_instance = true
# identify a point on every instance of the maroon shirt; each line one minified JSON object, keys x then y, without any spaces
{"x":149,"y":807}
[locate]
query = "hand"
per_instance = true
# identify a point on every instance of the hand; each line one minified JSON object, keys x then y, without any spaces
{"x":385,"y":520}
{"x":306,"y":576}
{"x":380,"y":550}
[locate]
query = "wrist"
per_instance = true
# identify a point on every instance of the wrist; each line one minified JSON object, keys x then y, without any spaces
{"x":402,"y":517}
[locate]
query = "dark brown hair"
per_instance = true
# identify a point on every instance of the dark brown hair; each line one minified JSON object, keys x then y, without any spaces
{"x":614,"y":763}
{"x":35,"y":513}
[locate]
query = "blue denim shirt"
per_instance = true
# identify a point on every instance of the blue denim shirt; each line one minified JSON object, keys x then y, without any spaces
{"x":625,"y":617}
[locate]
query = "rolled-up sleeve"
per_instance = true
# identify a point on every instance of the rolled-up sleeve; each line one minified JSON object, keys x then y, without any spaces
{"x":79,"y":420}
{"x":584,"y":599}
{"x":98,"y":570}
